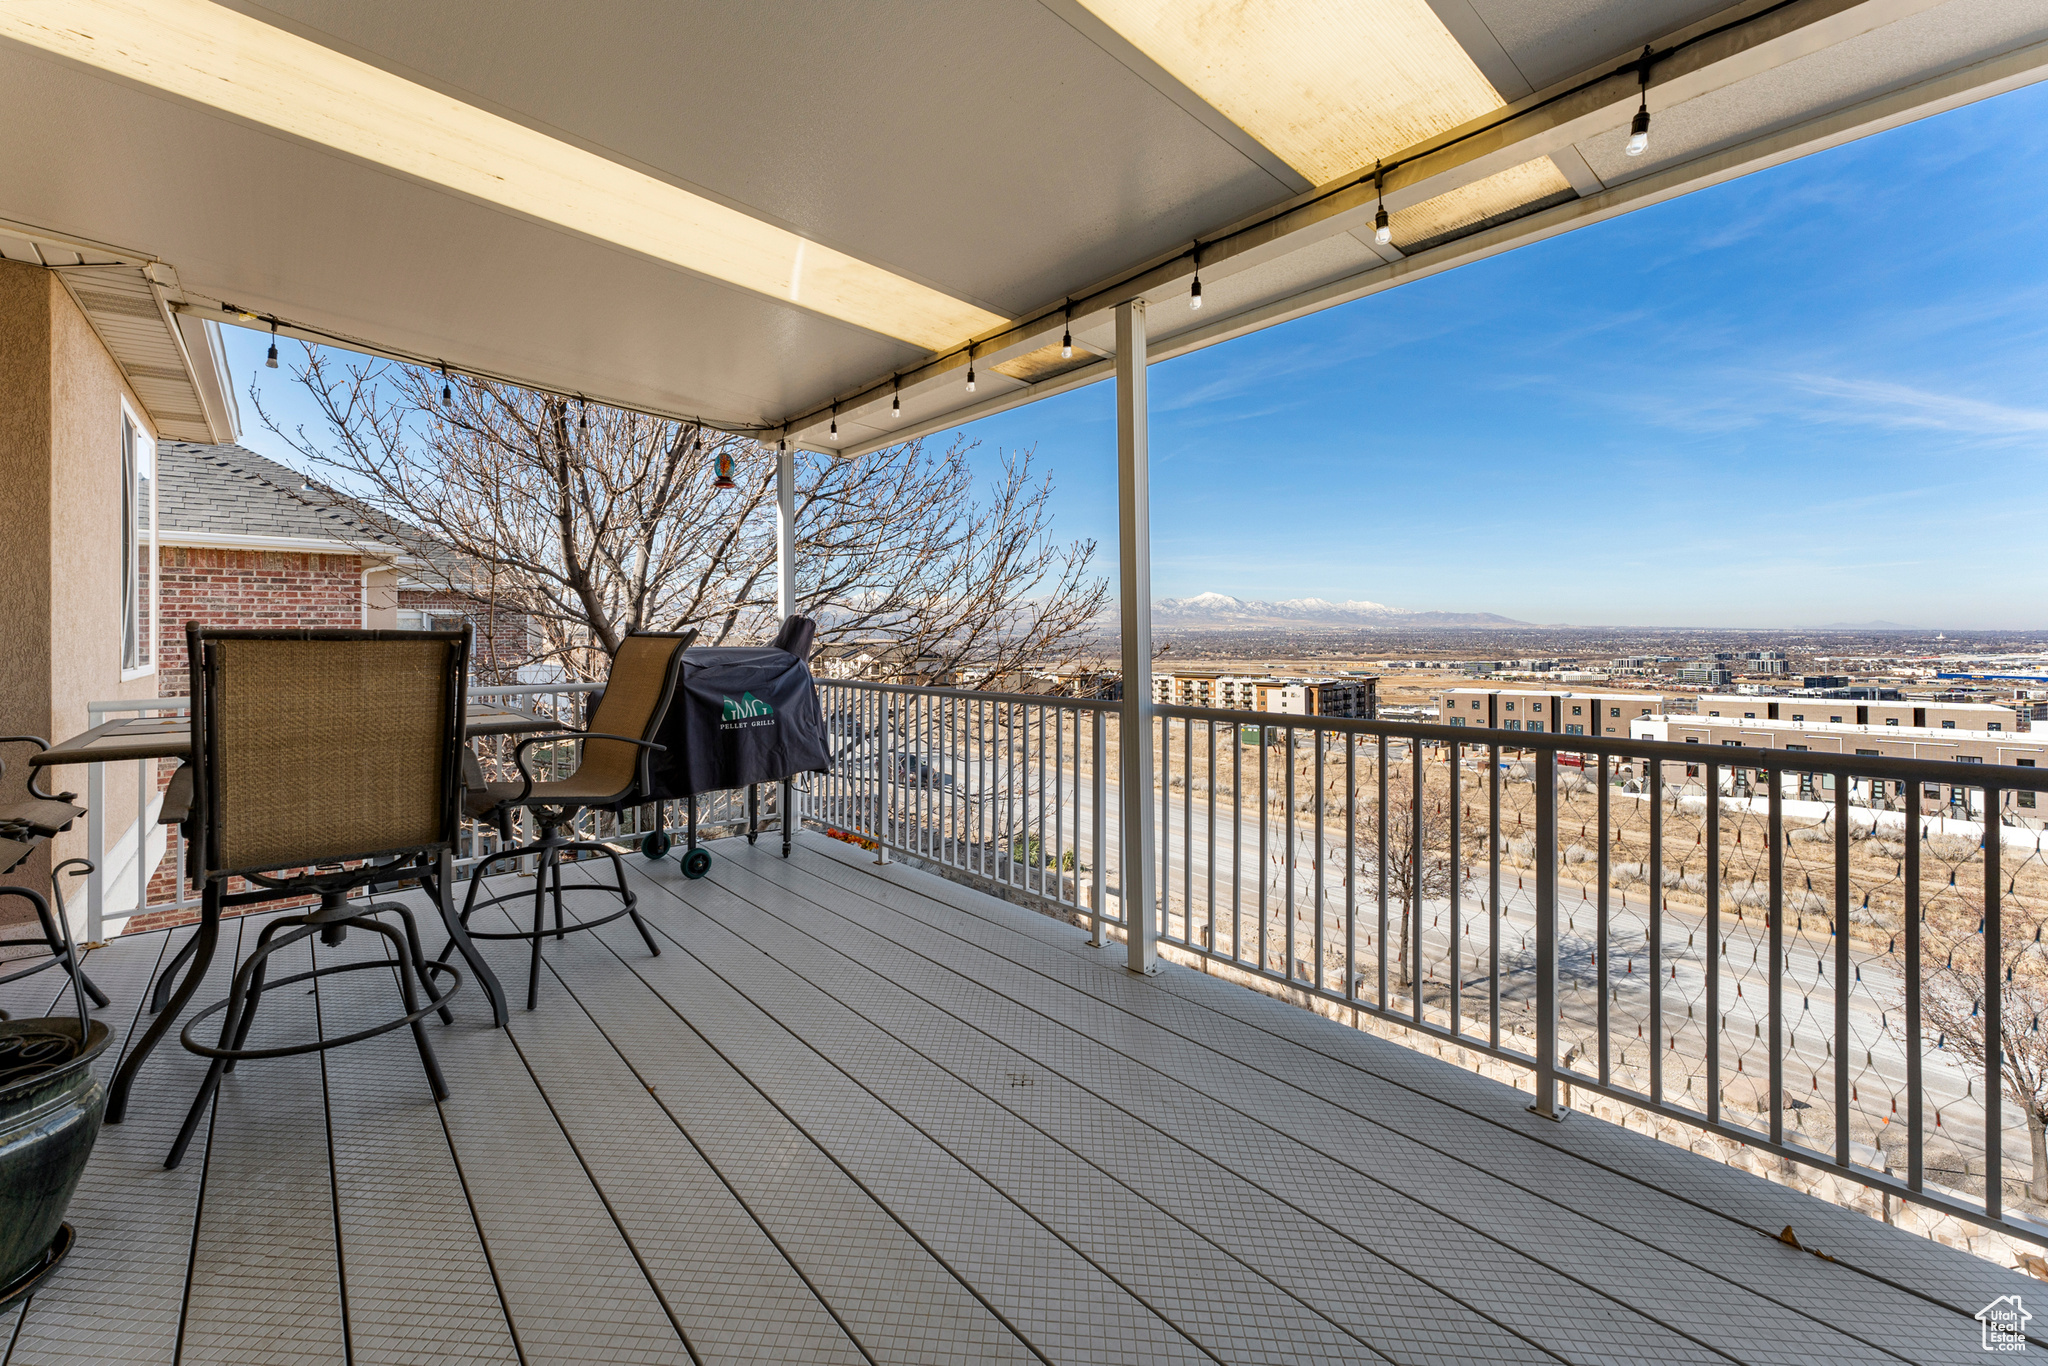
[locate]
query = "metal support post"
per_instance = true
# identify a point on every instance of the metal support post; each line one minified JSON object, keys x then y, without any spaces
{"x":785,"y":533}
{"x":1134,"y":582}
{"x":1546,"y":937}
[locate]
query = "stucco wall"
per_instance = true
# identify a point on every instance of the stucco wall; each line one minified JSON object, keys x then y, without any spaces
{"x":60,"y":521}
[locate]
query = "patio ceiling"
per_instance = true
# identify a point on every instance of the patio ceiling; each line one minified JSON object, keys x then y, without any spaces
{"x":762,"y":215}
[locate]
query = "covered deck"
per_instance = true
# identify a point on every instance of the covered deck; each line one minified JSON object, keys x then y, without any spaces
{"x":860,"y":1113}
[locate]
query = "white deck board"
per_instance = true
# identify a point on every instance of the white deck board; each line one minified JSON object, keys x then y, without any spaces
{"x":859,"y":1114}
{"x":1241,"y":1109}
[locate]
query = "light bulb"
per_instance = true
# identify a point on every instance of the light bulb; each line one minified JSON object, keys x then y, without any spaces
{"x":1382,"y":230}
{"x":270,"y":363}
{"x":1639,"y":134}
{"x":1067,"y":344}
{"x":1195,"y":293}
{"x":896,"y":408}
{"x":970,"y":377}
{"x":835,"y":426}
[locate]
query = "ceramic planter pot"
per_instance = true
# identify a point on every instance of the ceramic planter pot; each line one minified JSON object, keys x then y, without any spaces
{"x":50,"y":1106}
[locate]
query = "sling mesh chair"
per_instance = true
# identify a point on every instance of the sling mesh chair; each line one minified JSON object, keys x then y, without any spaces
{"x":322,"y":761}
{"x":25,"y":824}
{"x":612,"y":775}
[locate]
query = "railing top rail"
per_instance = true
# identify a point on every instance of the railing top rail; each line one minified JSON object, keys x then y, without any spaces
{"x":529,"y":689}
{"x":2004,"y":776}
{"x":1025,"y":698}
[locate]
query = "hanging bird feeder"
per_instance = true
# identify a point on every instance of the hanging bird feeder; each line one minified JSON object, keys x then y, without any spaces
{"x":724,"y":479}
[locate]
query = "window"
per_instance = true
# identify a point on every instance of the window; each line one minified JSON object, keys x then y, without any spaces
{"x":1713,"y":713}
{"x":1797,"y":747}
{"x":1798,"y":716}
{"x":1969,"y":759}
{"x":2025,"y":799}
{"x":1993,"y":725}
{"x":1511,"y":706}
{"x":1749,"y":716}
{"x":1891,"y":720}
{"x":1834,"y":720}
{"x":1575,"y":711}
{"x":1614,"y":712}
{"x":1931,"y":790}
{"x":1457,"y":720}
{"x":1873,"y":753}
{"x":1514,"y":725}
{"x":1692,"y":739}
{"x":1535,"y":725}
{"x":1948,"y":725}
{"x":1732,"y":744}
{"x":138,"y":546}
{"x":1574,"y":730}
{"x":1475,"y":704}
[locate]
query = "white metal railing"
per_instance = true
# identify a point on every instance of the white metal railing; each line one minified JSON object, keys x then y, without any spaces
{"x":1811,"y":954}
{"x":119,"y":887}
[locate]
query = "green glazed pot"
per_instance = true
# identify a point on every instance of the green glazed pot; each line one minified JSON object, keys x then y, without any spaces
{"x":50,"y":1106}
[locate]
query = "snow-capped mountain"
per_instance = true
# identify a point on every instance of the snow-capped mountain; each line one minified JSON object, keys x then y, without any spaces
{"x":1216,"y":610}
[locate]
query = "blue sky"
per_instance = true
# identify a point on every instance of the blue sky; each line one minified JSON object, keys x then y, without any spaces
{"x":1814,"y":394}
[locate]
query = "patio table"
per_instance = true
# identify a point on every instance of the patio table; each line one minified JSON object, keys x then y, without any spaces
{"x":170,"y":737}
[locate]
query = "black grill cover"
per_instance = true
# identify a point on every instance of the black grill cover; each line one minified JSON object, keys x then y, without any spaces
{"x":740,"y":715}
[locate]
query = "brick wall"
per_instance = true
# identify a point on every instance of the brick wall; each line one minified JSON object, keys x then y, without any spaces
{"x":249,"y":588}
{"x":502,"y":643}
{"x":239,"y":588}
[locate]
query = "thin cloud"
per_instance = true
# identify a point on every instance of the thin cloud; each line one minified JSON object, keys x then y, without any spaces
{"x":1883,"y":404}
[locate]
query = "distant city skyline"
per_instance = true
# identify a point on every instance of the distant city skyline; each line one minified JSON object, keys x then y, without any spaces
{"x":1811,"y":395}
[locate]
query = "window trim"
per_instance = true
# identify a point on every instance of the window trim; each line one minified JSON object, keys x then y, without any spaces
{"x":146,"y":643}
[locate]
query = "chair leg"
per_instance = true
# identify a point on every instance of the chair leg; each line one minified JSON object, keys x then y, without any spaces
{"x":407,"y":953}
{"x":556,"y":878}
{"x":162,"y":990}
{"x":476,"y":882}
{"x":459,"y":940}
{"x":419,"y":961}
{"x":632,"y":901}
{"x":259,"y":963}
{"x":60,"y":951}
{"x":540,"y":916}
{"x":205,"y":940}
{"x":234,"y":1025}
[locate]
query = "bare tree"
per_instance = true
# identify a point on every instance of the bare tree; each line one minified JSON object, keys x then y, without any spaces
{"x":1952,"y":999}
{"x":594,"y":522}
{"x":1406,"y":868}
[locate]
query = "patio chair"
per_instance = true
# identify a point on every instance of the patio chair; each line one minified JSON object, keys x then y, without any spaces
{"x":611,"y":775}
{"x":322,"y":761}
{"x":25,"y":824}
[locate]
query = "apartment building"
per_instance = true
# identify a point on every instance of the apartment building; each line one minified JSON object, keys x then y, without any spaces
{"x":1565,"y":713}
{"x":1892,"y":741}
{"x":1830,"y":711}
{"x":1354,"y":696}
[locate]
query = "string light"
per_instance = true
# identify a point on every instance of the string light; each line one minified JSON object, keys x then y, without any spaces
{"x":447,"y":394}
{"x":1639,"y":128}
{"x":582,"y":413}
{"x":1382,"y":229}
{"x":896,"y":403}
{"x":970,"y":369}
{"x":1067,"y":337}
{"x":1195,"y":290}
{"x":835,"y":424}
{"x":271,"y":362}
